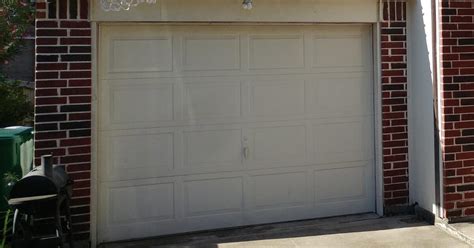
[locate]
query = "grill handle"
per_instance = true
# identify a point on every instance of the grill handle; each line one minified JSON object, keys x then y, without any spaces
{"x":47,"y":163}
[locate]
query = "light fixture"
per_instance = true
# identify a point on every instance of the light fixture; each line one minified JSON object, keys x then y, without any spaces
{"x":247,"y":4}
{"x":118,"y":5}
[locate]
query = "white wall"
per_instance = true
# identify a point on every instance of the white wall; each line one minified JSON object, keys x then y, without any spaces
{"x":421,"y":124}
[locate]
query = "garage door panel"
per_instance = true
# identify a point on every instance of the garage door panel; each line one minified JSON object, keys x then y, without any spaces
{"x":276,"y":97}
{"x":135,"y":154}
{"x":138,"y":204}
{"x":330,"y":188}
{"x":287,"y":190}
{"x":150,"y":54}
{"x":217,"y":221}
{"x":212,"y":100}
{"x":279,"y":192}
{"x":140,"y":156}
{"x":352,"y":43}
{"x":342,"y":141}
{"x":324,"y":48}
{"x":141,"y":230}
{"x":141,"y":104}
{"x":212,"y":148}
{"x":276,"y":51}
{"x":213,"y":196}
{"x":130,"y":215}
{"x":278,"y":145}
{"x":327,"y":209}
{"x":211,"y":52}
{"x":287,"y":213}
{"x":348,"y":96}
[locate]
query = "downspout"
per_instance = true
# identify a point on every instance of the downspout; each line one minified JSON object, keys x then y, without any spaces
{"x":436,"y":109}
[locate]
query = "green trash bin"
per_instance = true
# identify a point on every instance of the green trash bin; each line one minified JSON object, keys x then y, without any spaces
{"x":16,"y":157}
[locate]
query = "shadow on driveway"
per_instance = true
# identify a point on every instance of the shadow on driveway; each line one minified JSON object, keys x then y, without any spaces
{"x":363,"y":230}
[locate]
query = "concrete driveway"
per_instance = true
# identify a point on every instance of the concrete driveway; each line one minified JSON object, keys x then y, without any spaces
{"x":464,"y":231}
{"x":365,"y":230}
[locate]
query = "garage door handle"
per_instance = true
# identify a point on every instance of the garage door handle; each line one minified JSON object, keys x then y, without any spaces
{"x":246,"y":152}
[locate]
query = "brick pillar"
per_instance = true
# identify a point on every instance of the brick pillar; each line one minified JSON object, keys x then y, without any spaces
{"x":457,"y":138}
{"x":63,"y":98}
{"x":394,"y":103}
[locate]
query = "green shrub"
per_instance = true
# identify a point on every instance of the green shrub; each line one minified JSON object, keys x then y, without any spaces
{"x":15,"y":106}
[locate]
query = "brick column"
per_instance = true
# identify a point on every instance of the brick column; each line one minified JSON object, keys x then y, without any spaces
{"x":63,"y":98}
{"x":394,"y":103}
{"x":457,"y":138}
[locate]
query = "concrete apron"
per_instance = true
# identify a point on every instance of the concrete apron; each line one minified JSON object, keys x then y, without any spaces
{"x":363,"y":230}
{"x":462,"y":230}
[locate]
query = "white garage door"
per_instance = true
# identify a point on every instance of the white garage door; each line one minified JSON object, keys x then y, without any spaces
{"x":205,"y":127}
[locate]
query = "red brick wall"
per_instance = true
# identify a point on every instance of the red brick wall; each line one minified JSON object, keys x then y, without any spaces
{"x":457,"y":57}
{"x":394,"y":103}
{"x":63,"y":101}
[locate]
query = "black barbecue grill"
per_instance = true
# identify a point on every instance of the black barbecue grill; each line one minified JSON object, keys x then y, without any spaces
{"x":41,"y":202}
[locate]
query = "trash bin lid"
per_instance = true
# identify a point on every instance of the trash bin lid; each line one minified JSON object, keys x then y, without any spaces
{"x":24,"y":133}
